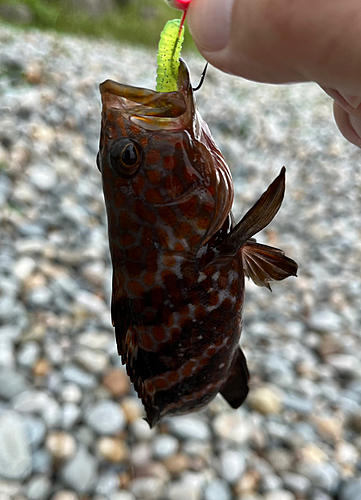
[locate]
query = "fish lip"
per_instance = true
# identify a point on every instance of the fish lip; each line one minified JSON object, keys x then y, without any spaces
{"x":147,"y":104}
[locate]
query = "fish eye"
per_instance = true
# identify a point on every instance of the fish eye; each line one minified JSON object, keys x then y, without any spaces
{"x":125,"y":157}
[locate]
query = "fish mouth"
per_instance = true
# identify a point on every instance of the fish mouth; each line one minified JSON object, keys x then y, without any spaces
{"x":150,"y":109}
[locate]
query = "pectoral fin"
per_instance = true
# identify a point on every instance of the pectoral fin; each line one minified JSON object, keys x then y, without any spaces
{"x":264,"y":264}
{"x":235,"y":388}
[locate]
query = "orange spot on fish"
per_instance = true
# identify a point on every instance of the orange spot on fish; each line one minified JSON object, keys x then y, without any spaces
{"x":138,"y":184}
{"x":143,"y":142}
{"x":173,"y":186}
{"x":135,"y":287}
{"x":189,"y":208}
{"x":148,"y":279}
{"x":173,"y":377}
{"x":119,"y":199}
{"x":161,"y":383}
{"x":146,"y":341}
{"x":182,"y":230}
{"x":168,"y":216}
{"x":143,"y":213}
{"x":169,"y":162}
{"x":162,"y":236}
{"x":158,"y":333}
{"x":203,"y":223}
{"x":154,"y":176}
{"x":178,"y":247}
{"x":152,"y":157}
{"x":153,"y":196}
{"x":169,"y":261}
{"x":126,"y":239}
{"x":187,"y":368}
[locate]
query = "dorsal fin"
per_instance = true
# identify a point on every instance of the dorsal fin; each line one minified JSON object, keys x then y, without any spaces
{"x":257,"y":218}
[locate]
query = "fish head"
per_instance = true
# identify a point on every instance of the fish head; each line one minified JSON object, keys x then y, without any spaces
{"x":160,"y":165}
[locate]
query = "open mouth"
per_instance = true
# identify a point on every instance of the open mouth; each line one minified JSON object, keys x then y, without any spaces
{"x":148,"y":108}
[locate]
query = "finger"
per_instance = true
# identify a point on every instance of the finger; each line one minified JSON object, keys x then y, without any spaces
{"x":349,"y":125}
{"x":350,"y":103}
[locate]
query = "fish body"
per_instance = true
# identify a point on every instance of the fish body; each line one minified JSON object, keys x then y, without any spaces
{"x":179,"y":262}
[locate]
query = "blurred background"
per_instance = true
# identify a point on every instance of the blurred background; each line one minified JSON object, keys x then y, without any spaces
{"x":71,"y":426}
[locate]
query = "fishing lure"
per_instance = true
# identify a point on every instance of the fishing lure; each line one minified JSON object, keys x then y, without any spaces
{"x":179,"y":260}
{"x":170,"y":45}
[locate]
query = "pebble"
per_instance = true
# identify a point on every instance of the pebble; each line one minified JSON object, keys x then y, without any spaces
{"x":39,"y":487}
{"x":147,"y":488}
{"x":80,"y":472}
{"x":233,"y":426}
{"x":75,"y":375}
{"x":105,"y":417}
{"x":117,"y":382}
{"x":112,"y":449}
{"x":189,"y":428}
{"x":265,"y":400}
{"x":65,"y":495}
{"x":279,"y":495}
{"x":39,"y":402}
{"x":296,"y":483}
{"x":233,"y":465}
{"x":92,"y":361}
{"x":61,"y":445}
{"x":217,"y":490}
{"x":164,"y":446}
{"x":12,"y":383}
{"x":350,"y":490}
{"x":35,"y":430}
{"x":15,"y":454}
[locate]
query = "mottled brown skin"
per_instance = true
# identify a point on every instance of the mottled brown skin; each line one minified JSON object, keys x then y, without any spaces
{"x":178,"y":263}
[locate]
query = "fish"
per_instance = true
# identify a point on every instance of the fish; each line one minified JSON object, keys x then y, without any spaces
{"x":179,"y":259}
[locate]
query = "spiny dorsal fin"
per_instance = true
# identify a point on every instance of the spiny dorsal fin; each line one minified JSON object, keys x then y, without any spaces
{"x":257,"y":218}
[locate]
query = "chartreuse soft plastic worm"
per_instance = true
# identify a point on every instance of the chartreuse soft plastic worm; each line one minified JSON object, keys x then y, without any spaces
{"x":170,"y":45}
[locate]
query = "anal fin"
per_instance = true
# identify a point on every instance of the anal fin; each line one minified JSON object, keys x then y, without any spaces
{"x":263,"y":263}
{"x":235,"y":388}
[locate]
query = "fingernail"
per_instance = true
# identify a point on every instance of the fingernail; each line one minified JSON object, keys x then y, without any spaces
{"x":353,"y":100}
{"x":210,"y":23}
{"x":355,"y":122}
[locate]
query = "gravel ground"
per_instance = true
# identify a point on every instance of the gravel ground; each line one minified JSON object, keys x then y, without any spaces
{"x":70,"y":424}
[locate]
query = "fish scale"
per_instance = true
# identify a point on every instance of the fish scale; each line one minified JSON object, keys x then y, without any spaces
{"x":179,"y":261}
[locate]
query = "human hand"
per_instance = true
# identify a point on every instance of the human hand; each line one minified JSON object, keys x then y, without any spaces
{"x":283,"y":41}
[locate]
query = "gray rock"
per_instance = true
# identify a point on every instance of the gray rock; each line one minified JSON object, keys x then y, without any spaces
{"x":35,"y":430}
{"x":72,"y":373}
{"x":105,"y":417}
{"x":108,"y":483}
{"x":189,"y":428}
{"x":43,"y":177}
{"x":122,"y":495}
{"x":147,"y":488}
{"x":270,"y":482}
{"x":70,"y":415}
{"x":233,"y":465}
{"x":279,"y":495}
{"x":217,"y":490}
{"x":28,"y":354}
{"x":15,"y":457}
{"x":40,"y":296}
{"x":346,"y":364}
{"x":81,"y":472}
{"x":298,"y":404}
{"x":39,"y":487}
{"x":350,"y":490}
{"x":325,"y":321}
{"x":164,"y":446}
{"x":39,"y":403}
{"x":42,"y":462}
{"x":320,"y":495}
{"x":298,"y":484}
{"x":322,"y":475}
{"x":12,"y":383}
